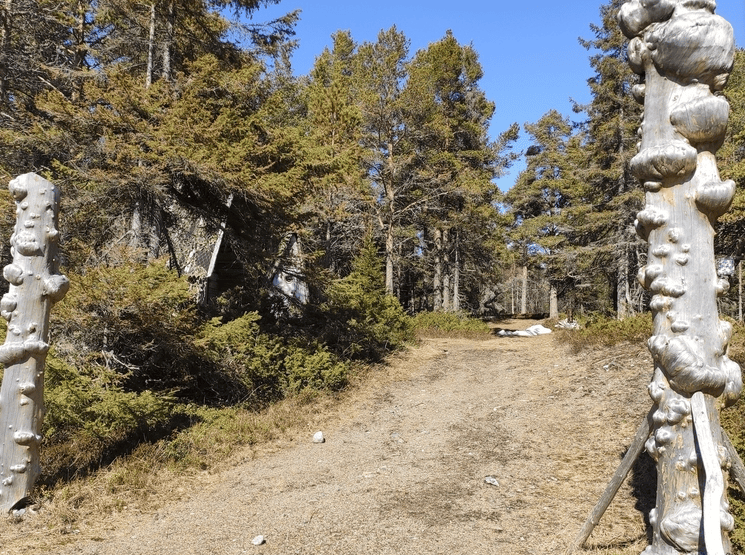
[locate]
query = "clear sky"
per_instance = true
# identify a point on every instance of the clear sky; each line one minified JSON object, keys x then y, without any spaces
{"x":530,"y":52}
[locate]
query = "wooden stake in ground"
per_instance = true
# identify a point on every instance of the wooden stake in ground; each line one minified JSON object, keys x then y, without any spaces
{"x":35,"y":285}
{"x":685,"y":53}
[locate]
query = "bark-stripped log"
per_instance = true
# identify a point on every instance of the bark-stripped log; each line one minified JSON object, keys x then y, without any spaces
{"x":685,"y":52}
{"x":35,"y":285}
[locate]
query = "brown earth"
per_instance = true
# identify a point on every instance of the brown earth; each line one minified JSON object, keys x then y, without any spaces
{"x":403,"y":466}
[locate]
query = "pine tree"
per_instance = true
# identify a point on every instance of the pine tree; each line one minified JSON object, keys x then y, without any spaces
{"x":334,"y":158}
{"x":610,"y":137}
{"x":454,"y":163}
{"x":542,"y":201}
{"x":380,"y":71}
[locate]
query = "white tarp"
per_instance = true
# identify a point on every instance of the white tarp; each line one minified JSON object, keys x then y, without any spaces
{"x":532,"y":331}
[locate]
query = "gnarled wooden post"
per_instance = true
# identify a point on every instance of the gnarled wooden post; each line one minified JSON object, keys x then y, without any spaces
{"x":685,"y":53}
{"x":34,"y":286}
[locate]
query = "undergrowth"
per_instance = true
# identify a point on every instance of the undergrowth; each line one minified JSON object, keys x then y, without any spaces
{"x":140,"y":379}
{"x":449,"y":324}
{"x":606,"y":331}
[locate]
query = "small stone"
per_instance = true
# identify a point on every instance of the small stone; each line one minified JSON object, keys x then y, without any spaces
{"x":19,"y":513}
{"x":258,"y":540}
{"x":491,"y":480}
{"x":318,"y":437}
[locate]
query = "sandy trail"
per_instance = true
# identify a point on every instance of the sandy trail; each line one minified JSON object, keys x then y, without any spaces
{"x":403,"y":466}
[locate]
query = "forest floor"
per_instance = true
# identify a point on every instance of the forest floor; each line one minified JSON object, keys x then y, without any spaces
{"x":403,"y":467}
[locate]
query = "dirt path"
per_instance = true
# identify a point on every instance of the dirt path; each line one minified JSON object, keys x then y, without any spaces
{"x":403,"y":466}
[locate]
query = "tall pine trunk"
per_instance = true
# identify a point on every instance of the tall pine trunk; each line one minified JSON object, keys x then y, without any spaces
{"x":456,"y":273}
{"x":445,"y":271}
{"x":553,"y":302}
{"x":6,"y":20}
{"x":150,"y":49}
{"x":80,"y":52}
{"x":437,"y":278}
{"x":167,"y":69}
{"x":623,"y":295}
{"x":524,"y":298}
{"x":391,"y":213}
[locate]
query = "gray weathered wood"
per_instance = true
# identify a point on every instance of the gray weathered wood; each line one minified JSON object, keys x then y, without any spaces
{"x":35,"y":285}
{"x":685,"y":53}
{"x":632,"y":454}
{"x":714,"y":481}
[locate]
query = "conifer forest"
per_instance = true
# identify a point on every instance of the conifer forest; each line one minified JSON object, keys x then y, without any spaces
{"x":235,"y":233}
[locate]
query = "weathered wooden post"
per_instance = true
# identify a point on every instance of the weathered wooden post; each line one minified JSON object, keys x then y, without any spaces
{"x":35,"y":285}
{"x":685,"y":53}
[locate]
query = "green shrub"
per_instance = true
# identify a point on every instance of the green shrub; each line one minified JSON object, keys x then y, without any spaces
{"x":449,"y":324}
{"x":603,"y":330}
{"x":362,"y":320}
{"x":137,"y":320}
{"x":91,"y":420}
{"x":269,"y":367}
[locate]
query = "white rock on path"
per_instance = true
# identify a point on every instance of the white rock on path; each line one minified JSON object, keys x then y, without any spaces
{"x":258,"y":540}
{"x":318,"y":437}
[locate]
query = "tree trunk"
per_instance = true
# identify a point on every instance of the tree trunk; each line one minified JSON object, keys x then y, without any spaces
{"x":456,"y":274}
{"x":391,"y":214}
{"x":524,"y":299}
{"x":512,"y":288}
{"x":437,"y":279}
{"x":553,"y":303}
{"x":167,"y":70}
{"x":80,"y":53}
{"x":623,"y":295}
{"x":150,"y":49}
{"x":686,"y":54}
{"x":35,"y":285}
{"x":445,"y":271}
{"x":389,"y":258}
{"x":6,"y":19}
{"x":155,"y":232}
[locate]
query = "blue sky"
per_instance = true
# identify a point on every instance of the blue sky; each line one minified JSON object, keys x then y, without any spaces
{"x":531,"y":57}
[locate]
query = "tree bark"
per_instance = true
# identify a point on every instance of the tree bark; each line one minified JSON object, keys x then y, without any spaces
{"x":553,"y":303}
{"x":167,"y":70}
{"x":524,"y":298}
{"x":35,"y":285}
{"x":456,"y":274}
{"x":437,"y":278}
{"x":150,"y":49}
{"x":6,"y":20}
{"x":391,"y":214}
{"x":445,"y":271}
{"x":623,"y":296}
{"x":685,"y":56}
{"x":80,"y":53}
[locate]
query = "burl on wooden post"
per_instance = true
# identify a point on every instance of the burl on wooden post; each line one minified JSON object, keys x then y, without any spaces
{"x":35,"y":285}
{"x":685,"y":53}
